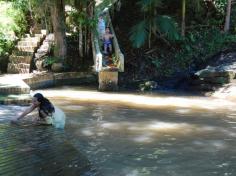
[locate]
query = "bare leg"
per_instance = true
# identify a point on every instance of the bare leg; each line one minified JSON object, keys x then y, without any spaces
{"x":105,"y":48}
{"x":110,"y":48}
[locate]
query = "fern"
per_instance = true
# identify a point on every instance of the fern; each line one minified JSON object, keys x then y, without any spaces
{"x":139,"y":34}
{"x":152,"y":24}
{"x":146,"y":5}
{"x":167,"y":26}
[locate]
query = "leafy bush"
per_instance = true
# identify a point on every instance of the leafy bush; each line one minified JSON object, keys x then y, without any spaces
{"x":50,"y":60}
{"x":200,"y":45}
{"x":193,"y":51}
{"x":12,"y":23}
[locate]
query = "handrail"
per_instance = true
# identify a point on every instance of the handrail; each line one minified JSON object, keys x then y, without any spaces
{"x":117,"y":50}
{"x":97,"y":55}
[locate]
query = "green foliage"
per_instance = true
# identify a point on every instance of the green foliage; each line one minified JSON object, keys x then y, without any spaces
{"x":12,"y":19}
{"x":139,"y":34}
{"x":191,"y":52}
{"x":12,"y":23}
{"x":149,"y":6}
{"x":48,"y":61}
{"x":167,"y":27}
{"x":5,"y":45}
{"x":220,"y":5}
{"x":77,"y":18}
{"x":158,"y":25}
{"x":199,"y":45}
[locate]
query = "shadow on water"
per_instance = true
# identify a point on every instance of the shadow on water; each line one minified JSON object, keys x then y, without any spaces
{"x":126,"y":134}
{"x":38,"y":150}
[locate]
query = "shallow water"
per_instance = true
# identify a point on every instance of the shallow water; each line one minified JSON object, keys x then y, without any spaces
{"x":136,"y":135}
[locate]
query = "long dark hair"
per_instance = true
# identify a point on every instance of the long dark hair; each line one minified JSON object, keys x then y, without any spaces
{"x":45,"y":104}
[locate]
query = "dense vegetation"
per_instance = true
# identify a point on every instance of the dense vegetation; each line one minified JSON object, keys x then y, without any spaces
{"x":166,"y":37}
{"x":176,"y":37}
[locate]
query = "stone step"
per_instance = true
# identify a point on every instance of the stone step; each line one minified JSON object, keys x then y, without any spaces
{"x":20,"y":59}
{"x":45,"y":47}
{"x":35,"y":39}
{"x":28,"y":43}
{"x":50,"y":37}
{"x":39,"y":55}
{"x":26,"y":48}
{"x":21,"y":53}
{"x":18,"y":68}
{"x":27,"y":35}
{"x":39,"y":35}
{"x":40,"y":50}
{"x":44,"y":32}
{"x":48,"y":44}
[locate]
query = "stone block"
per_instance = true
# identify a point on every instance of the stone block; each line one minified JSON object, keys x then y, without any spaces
{"x":217,"y":80}
{"x":207,"y":73}
{"x":20,"y":59}
{"x":108,"y":81}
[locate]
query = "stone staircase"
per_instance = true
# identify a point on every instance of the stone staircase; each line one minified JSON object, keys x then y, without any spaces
{"x":21,"y":58}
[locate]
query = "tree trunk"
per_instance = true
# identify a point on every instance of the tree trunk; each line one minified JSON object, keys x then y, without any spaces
{"x":227,"y":18}
{"x":90,"y":14}
{"x":58,"y":22}
{"x":81,"y":53}
{"x":183,"y":18}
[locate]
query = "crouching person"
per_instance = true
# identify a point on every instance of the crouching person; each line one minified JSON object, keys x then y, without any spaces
{"x":47,"y":113}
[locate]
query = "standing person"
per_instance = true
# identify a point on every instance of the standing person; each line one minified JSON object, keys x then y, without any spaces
{"x":107,"y":41}
{"x":101,"y":26}
{"x":48,"y":114}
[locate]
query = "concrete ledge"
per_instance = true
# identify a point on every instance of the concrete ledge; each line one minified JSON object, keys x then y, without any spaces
{"x":15,"y":88}
{"x":23,"y":99}
{"x":13,"y":84}
{"x":46,"y":80}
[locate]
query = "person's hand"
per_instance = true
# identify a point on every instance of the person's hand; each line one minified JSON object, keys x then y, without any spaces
{"x":14,"y":121}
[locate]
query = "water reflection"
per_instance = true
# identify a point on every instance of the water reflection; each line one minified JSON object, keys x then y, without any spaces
{"x":143,"y":135}
{"x":125,"y":141}
{"x":153,"y":101}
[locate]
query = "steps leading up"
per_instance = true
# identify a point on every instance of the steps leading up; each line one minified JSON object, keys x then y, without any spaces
{"x":21,"y":58}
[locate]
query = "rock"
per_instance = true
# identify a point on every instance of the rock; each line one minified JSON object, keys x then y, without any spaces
{"x":213,"y":72}
{"x":39,"y":65}
{"x":204,"y":87}
{"x":148,"y":85}
{"x":218,"y":80}
{"x":57,"y":67}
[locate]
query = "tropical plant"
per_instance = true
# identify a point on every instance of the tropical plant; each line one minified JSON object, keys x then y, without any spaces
{"x":159,"y":26}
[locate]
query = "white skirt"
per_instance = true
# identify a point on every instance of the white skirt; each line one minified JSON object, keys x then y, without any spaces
{"x":58,"y":118}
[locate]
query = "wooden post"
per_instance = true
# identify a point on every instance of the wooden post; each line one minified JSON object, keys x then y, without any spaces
{"x":108,"y":80}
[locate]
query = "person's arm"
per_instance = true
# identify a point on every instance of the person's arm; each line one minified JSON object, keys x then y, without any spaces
{"x":27,"y":111}
{"x":111,"y":36}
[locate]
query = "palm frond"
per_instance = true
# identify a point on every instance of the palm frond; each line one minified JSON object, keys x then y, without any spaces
{"x":147,"y":4}
{"x":167,"y":26}
{"x":139,"y":34}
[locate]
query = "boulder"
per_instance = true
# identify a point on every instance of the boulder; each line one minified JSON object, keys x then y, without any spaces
{"x":211,"y":72}
{"x":57,"y":67}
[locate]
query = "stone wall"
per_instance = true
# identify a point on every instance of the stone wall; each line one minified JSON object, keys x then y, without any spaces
{"x":46,"y":80}
{"x":18,"y":93}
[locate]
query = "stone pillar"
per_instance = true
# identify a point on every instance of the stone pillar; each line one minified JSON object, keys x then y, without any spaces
{"x":108,"y":80}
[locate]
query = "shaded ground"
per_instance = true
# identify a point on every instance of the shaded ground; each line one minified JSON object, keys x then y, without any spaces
{"x":227,"y":58}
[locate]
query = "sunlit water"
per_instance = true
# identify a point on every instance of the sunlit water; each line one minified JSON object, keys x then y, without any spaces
{"x":152,"y":135}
